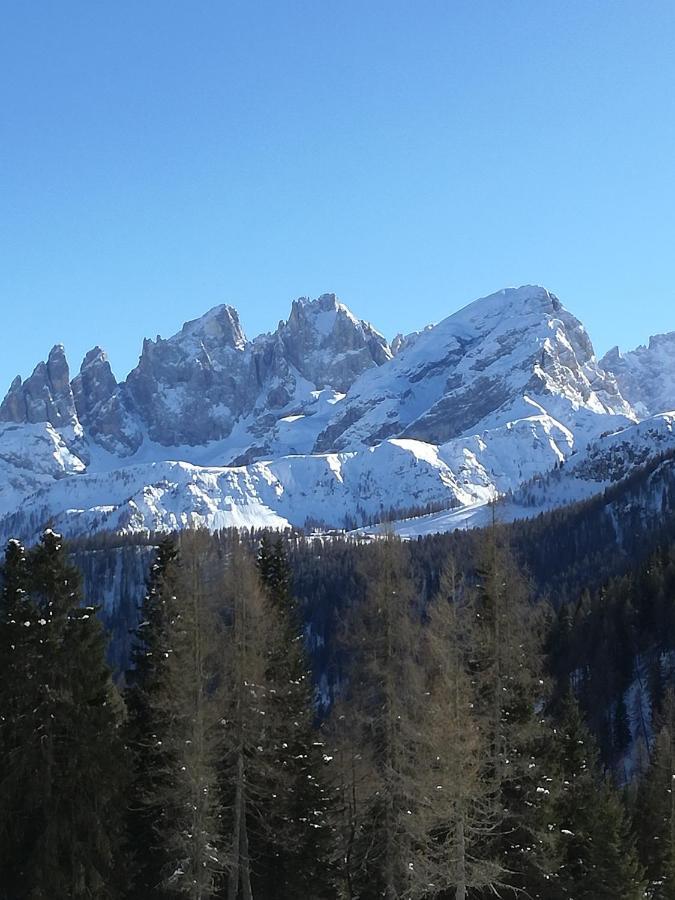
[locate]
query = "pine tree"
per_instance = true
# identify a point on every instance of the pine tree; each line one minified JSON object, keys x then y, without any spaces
{"x":67,"y":758}
{"x":16,"y":658}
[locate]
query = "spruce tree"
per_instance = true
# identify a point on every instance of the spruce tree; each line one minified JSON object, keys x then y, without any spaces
{"x":66,"y":758}
{"x":17,"y":656}
{"x":147,"y":727}
{"x":595,"y":850}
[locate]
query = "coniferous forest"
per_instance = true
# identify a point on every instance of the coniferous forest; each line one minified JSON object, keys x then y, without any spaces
{"x":435,"y":728}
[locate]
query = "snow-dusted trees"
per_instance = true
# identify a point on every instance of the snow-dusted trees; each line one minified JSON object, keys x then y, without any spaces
{"x":147,"y":727}
{"x":594,"y":850}
{"x":62,"y":762}
{"x":507,"y":663}
{"x":175,"y":731}
{"x":227,"y":797}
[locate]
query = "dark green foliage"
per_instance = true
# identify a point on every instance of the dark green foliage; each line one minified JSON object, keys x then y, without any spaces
{"x":613,"y":638}
{"x":655,"y":808}
{"x":62,"y":758}
{"x":148,"y":722}
{"x":596,"y":853}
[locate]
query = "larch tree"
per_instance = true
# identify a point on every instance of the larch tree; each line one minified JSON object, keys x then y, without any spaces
{"x":461,"y":812}
{"x":193,"y":701}
{"x":507,"y":663}
{"x":247,"y":776}
{"x":382,"y":713}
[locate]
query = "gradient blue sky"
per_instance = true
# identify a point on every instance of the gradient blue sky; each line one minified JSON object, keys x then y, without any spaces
{"x":160,"y":157}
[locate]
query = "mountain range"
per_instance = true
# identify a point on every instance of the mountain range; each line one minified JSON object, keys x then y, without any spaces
{"x":323,"y":421}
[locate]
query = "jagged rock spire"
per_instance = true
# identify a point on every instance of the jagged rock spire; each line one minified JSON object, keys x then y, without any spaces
{"x":44,"y":397}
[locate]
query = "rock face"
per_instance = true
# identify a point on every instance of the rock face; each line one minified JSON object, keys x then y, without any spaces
{"x":190,"y":388}
{"x":44,"y":397}
{"x":328,"y":345}
{"x":646,"y":376}
{"x":102,"y":406}
{"x":196,"y":386}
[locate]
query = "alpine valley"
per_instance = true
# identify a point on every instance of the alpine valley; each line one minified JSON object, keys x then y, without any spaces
{"x":324,"y":423}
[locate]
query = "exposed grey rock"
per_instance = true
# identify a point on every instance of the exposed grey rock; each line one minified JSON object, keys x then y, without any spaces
{"x":646,"y":375}
{"x":102,"y":406}
{"x":196,"y":386}
{"x":328,"y":345}
{"x":186,"y":389}
{"x":402,"y":341}
{"x":44,"y":397}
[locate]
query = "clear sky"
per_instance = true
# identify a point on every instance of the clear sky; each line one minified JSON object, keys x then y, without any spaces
{"x":159,"y":157}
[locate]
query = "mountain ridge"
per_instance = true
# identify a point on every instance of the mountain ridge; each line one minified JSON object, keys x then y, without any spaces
{"x":321,"y":419}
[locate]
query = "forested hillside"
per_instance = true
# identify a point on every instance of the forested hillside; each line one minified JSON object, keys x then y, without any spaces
{"x":454,"y":750}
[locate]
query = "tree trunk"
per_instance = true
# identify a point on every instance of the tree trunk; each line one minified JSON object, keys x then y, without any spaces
{"x":233,"y":880}
{"x":460,"y":893}
{"x":246,"y":892}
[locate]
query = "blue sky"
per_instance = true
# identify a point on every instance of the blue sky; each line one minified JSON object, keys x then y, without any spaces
{"x":160,"y":157}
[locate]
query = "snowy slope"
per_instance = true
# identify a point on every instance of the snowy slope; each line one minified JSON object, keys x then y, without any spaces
{"x":494,"y":361}
{"x":603,"y":463}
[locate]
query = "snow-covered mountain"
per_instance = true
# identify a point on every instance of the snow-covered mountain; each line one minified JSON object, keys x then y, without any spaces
{"x":322,"y":420}
{"x":646,"y":376}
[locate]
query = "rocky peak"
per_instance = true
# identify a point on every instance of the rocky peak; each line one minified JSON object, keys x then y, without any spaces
{"x":646,"y":375}
{"x":328,"y":345}
{"x":101,"y":406}
{"x":45,"y":396}
{"x":402,"y":341}
{"x":94,"y":385}
{"x":493,"y":361}
{"x":218,"y":328}
{"x":190,"y":388}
